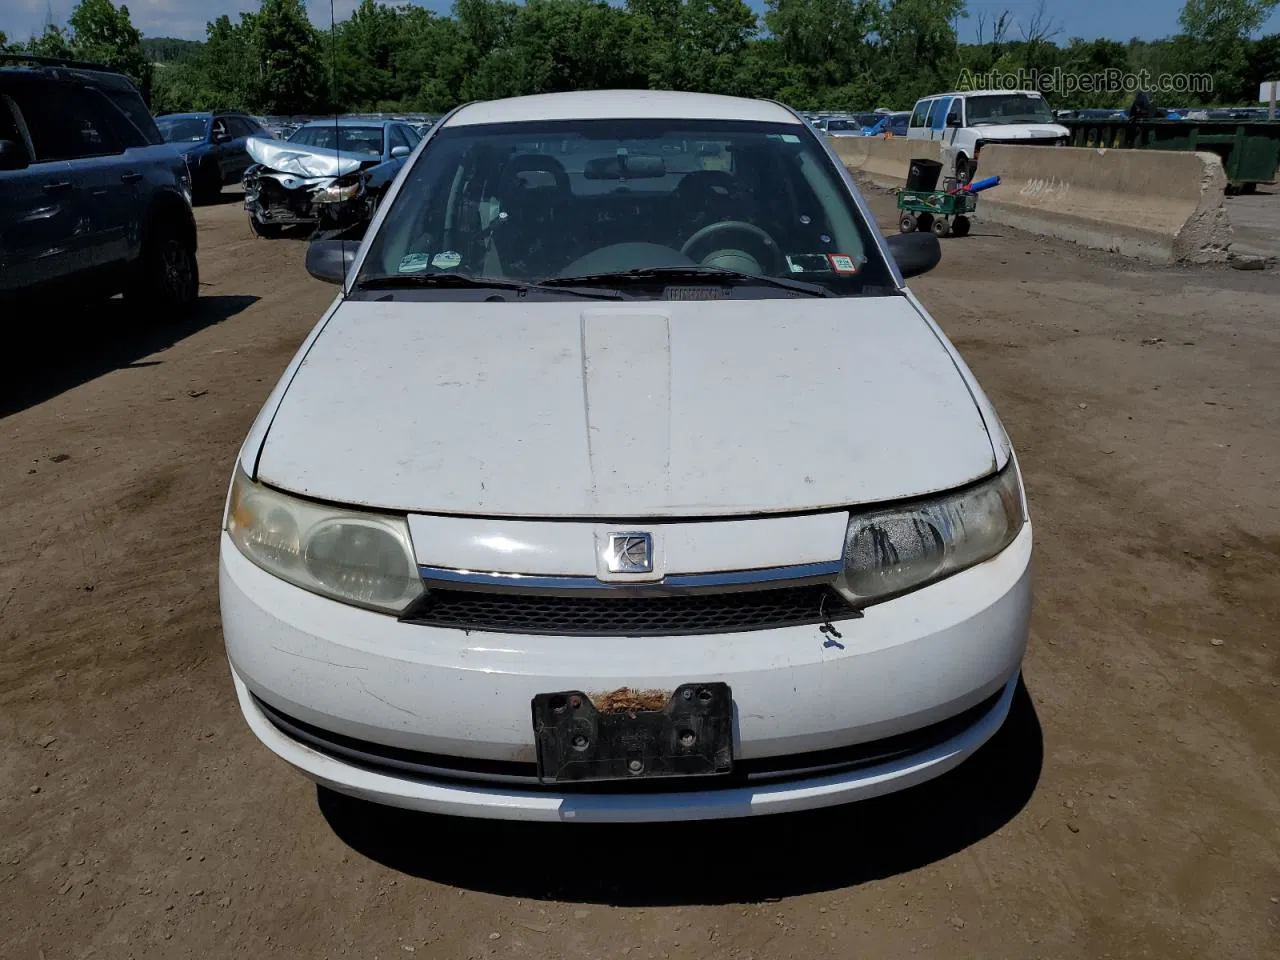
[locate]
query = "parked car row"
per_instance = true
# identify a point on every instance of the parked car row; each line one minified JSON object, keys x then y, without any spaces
{"x":876,"y":123}
{"x":93,"y":202}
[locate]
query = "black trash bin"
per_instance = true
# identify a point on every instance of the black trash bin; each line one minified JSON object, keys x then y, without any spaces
{"x":923,"y":174}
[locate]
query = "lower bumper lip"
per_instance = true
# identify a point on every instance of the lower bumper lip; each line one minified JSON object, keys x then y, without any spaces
{"x":503,"y":802}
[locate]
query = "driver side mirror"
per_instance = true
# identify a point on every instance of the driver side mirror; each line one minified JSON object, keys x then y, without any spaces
{"x":953,"y":120}
{"x":13,"y":156}
{"x":399,"y":152}
{"x":330,"y":260}
{"x":915,"y":253}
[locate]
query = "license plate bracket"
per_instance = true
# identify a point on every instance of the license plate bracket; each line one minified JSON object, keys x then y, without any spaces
{"x":691,"y":736}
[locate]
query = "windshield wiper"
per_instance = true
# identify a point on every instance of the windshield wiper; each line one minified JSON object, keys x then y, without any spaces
{"x":650,"y":274}
{"x":390,"y":281}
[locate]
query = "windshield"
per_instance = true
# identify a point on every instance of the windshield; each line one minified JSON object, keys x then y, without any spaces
{"x":585,"y":198}
{"x":364,"y":140}
{"x":183,"y":129}
{"x":1004,"y":108}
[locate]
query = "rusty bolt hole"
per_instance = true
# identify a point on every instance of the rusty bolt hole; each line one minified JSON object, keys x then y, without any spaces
{"x":704,"y":694}
{"x":687,"y":738}
{"x":580,"y":742}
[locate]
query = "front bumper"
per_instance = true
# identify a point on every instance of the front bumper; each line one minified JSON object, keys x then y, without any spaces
{"x":270,"y":203}
{"x":911,"y":663}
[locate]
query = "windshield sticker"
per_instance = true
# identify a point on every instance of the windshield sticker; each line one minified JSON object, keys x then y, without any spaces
{"x":808,"y":263}
{"x":842,"y":263}
{"x":447,"y":260}
{"x":413,"y":263}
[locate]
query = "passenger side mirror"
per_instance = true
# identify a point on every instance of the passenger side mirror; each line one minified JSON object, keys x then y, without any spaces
{"x":13,"y":156}
{"x":400,"y":151}
{"x":329,"y":260}
{"x":914,"y":253}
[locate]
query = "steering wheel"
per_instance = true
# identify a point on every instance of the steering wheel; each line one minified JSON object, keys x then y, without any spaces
{"x":712,"y":229}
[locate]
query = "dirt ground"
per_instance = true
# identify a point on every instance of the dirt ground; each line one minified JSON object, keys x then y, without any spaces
{"x":1130,"y":807}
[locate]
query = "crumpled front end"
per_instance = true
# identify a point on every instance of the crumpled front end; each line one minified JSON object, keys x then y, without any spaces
{"x":331,"y":205}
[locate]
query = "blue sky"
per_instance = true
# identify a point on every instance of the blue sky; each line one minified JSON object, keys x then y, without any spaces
{"x":1077,"y":18}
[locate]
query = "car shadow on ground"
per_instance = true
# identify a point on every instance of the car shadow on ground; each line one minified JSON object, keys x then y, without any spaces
{"x":223,"y":198}
{"x":103,"y":337}
{"x":712,"y":862}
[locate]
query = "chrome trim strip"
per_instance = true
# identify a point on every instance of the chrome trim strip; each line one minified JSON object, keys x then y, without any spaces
{"x":721,"y":582}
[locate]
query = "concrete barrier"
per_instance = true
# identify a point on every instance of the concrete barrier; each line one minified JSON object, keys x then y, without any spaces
{"x":1155,"y":205}
{"x":883,"y":162}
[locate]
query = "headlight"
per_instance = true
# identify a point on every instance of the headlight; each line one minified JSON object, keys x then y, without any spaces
{"x":888,"y":552}
{"x":338,"y":192}
{"x":365,"y":559}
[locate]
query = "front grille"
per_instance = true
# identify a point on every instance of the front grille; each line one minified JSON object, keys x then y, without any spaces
{"x":630,"y":616}
{"x":401,"y":762}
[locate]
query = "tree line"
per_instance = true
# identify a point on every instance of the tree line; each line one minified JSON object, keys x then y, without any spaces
{"x":811,"y":54}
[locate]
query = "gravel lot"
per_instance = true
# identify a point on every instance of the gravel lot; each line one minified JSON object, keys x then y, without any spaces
{"x":1130,"y":808}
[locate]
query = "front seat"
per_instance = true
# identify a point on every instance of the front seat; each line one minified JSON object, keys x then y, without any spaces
{"x":533,"y":212}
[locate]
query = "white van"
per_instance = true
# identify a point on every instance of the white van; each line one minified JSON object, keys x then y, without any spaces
{"x":964,"y":121}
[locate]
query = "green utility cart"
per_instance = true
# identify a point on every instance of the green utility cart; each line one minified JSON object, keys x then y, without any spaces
{"x":945,"y":212}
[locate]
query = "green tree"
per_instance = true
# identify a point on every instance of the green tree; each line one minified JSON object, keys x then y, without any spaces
{"x":54,"y":42}
{"x":919,"y":53}
{"x":826,"y":54}
{"x":433,"y":58}
{"x":1093,"y":58}
{"x":290,"y":76}
{"x":102,"y":33}
{"x":363,"y":65}
{"x":229,"y":68}
{"x":1216,"y":32}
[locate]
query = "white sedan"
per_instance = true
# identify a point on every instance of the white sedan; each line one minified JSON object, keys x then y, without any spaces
{"x":625,"y":480}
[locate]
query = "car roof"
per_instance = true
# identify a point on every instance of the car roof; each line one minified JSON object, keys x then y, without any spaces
{"x":46,"y":68}
{"x":621,"y":105}
{"x":346,"y":122}
{"x":979,"y":93}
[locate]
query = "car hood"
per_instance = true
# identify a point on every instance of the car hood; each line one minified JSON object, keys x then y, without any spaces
{"x":1021,"y":131}
{"x":300,"y":160}
{"x":627,"y":410}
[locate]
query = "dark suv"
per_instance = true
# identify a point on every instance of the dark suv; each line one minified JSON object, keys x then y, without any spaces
{"x":213,"y":146}
{"x":92,"y":201}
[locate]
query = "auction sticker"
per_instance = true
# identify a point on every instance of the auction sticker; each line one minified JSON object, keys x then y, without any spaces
{"x":842,"y":263}
{"x":413,"y":263}
{"x":447,"y":260}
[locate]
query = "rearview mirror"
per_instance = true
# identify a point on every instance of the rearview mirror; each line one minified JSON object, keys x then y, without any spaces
{"x":915,"y":253}
{"x":399,"y":152}
{"x":13,"y":156}
{"x":624,"y":167}
{"x":330,"y":260}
